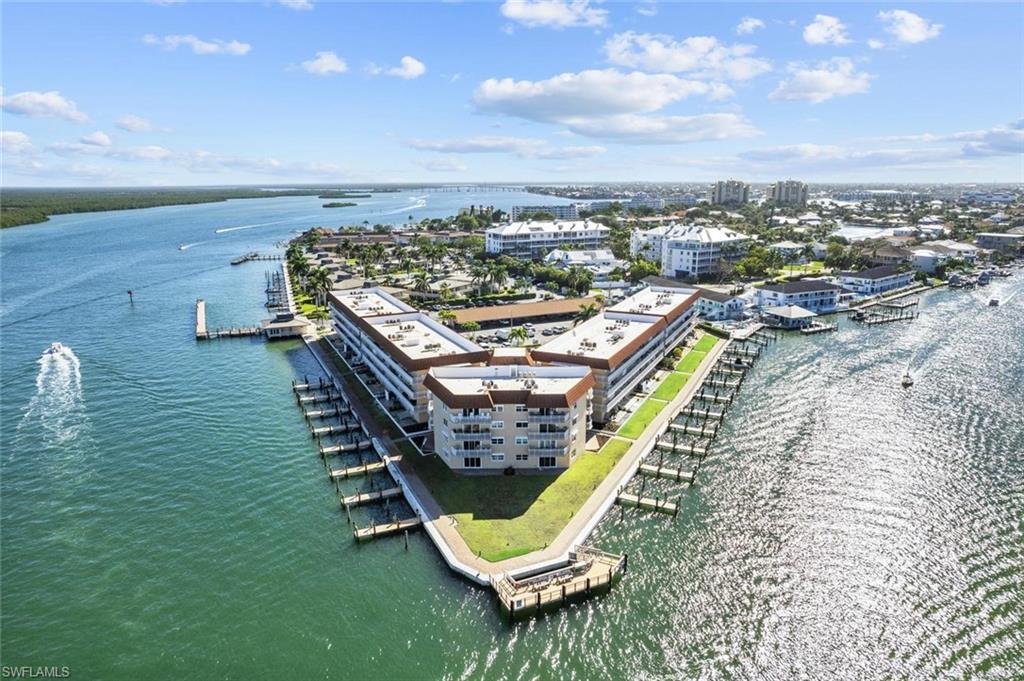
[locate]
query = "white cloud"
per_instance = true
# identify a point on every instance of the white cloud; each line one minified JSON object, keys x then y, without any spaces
{"x":666,"y":129}
{"x":94,"y":148}
{"x":524,"y":147}
{"x":13,"y":142}
{"x":408,"y":68}
{"x":133,"y":123}
{"x":40,"y":104}
{"x":908,"y":27}
{"x":825,"y":30}
{"x":97,"y":139}
{"x":199,"y":46}
{"x":144,"y":153}
{"x":589,"y":93}
{"x":557,"y":14}
{"x":300,"y":5}
{"x":997,"y":141}
{"x":748,"y":25}
{"x":705,"y":56}
{"x":875,"y":44}
{"x":324,"y":64}
{"x":647,"y":8}
{"x":444,"y":164}
{"x":835,"y":78}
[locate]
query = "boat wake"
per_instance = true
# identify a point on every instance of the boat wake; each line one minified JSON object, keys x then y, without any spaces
{"x":418,"y":203}
{"x":225,"y":230}
{"x":57,"y":407}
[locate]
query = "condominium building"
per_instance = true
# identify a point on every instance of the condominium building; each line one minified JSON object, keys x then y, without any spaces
{"x":1007,"y":242}
{"x":729,"y":192}
{"x":625,"y":342}
{"x":567,"y":211}
{"x":398,"y":345}
{"x":688,"y":251}
{"x":510,"y":415}
{"x":534,"y":239}
{"x":788,"y":193}
{"x":811,"y":294}
{"x":876,"y":280}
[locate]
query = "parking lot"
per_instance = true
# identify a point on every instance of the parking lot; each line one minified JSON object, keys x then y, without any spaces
{"x":539,"y":333}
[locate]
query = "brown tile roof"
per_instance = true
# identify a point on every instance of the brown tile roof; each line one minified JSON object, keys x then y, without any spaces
{"x":563,"y":306}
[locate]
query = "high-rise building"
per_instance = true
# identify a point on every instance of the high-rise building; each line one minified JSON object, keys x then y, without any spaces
{"x":788,"y":193}
{"x":729,"y":192}
{"x":688,"y":251}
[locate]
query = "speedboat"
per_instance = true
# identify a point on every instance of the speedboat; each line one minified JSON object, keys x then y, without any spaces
{"x":55,"y":349}
{"x":908,"y":380}
{"x":993,"y":302}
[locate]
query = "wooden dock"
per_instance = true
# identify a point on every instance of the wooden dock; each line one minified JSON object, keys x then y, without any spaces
{"x":249,"y":257}
{"x":350,"y":447}
{"x":204,"y":333}
{"x":818,"y":327}
{"x":324,"y":431}
{"x":200,"y":319}
{"x":384,"y":529}
{"x":666,"y":472}
{"x":370,"y":497}
{"x":590,"y":571}
{"x":647,"y":503}
{"x":327,"y":413}
{"x":705,"y":414}
{"x":353,"y":471}
{"x":702,"y":431}
{"x":683,"y":449}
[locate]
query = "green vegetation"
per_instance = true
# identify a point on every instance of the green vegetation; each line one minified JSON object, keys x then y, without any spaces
{"x":506,"y":516}
{"x":690,"y":361}
{"x":705,"y":344}
{"x":671,"y":386}
{"x":27,"y":206}
{"x":339,"y":204}
{"x":813,"y":267}
{"x":641,"y":418}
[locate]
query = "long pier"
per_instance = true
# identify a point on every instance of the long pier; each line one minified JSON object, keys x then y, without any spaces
{"x":384,"y":529}
{"x":353,"y":471}
{"x":666,"y":472}
{"x":647,"y":503}
{"x":204,"y":333}
{"x":369,"y":497}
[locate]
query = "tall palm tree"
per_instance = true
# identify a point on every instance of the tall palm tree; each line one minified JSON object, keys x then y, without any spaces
{"x":478,"y":275}
{"x":318,"y":283}
{"x":497,"y":275}
{"x":519,"y":335}
{"x":421,"y":282}
{"x":445,"y":291}
{"x":586,"y":312}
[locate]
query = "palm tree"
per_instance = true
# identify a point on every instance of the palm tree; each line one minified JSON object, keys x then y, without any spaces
{"x":586,"y":312}
{"x":519,"y":335}
{"x":445,"y":291}
{"x":478,"y":275}
{"x":377,"y":252}
{"x":318,"y":283}
{"x":497,"y":275}
{"x":421,"y":282}
{"x":447,"y":317}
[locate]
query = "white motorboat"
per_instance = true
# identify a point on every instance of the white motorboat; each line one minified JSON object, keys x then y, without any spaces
{"x":55,"y":349}
{"x":908,"y":380}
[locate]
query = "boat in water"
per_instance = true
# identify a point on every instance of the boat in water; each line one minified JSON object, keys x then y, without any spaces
{"x":993,"y":302}
{"x":907,"y":380}
{"x":55,"y":349}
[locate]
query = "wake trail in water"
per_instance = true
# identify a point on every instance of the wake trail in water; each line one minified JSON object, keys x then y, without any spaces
{"x":417,"y":204}
{"x":57,"y":407}
{"x":225,"y":230}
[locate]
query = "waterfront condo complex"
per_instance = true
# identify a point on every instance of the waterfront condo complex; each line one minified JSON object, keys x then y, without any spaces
{"x":492,"y":409}
{"x":688,"y":251}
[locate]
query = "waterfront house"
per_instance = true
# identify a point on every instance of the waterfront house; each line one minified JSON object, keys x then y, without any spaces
{"x":718,"y":306}
{"x":787,"y":317}
{"x":889,"y":255}
{"x":286,"y":325}
{"x":876,"y":280}
{"x":816,"y":295}
{"x":999,"y":241}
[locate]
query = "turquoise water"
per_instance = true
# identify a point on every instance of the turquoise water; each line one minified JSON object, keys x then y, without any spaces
{"x":165,"y":514}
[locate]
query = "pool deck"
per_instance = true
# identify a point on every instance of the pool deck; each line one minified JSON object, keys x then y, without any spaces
{"x":443,"y":529}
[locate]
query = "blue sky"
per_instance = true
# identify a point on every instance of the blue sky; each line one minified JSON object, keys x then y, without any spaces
{"x":552,"y":90}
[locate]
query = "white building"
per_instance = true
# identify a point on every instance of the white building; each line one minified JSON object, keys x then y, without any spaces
{"x":815,"y":295}
{"x":600,"y":263}
{"x":534,"y":239}
{"x":645,"y":201}
{"x":567,"y":211}
{"x":510,"y":415}
{"x":717,"y":306}
{"x":998,"y":241}
{"x":788,"y":193}
{"x":625,"y":342}
{"x":729,"y":192}
{"x":876,"y":280}
{"x":688,"y":251}
{"x":991,"y":197}
{"x":928,"y":259}
{"x":398,"y":345}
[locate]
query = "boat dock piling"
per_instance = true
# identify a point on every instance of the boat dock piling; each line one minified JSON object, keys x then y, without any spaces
{"x":385,"y":529}
{"x":354,"y":471}
{"x":204,"y":333}
{"x":369,"y":497}
{"x":648,"y":503}
{"x":249,"y":257}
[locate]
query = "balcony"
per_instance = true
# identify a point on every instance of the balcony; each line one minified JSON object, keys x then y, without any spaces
{"x":548,"y":418}
{"x":471,"y":418}
{"x":466,"y":435}
{"x":547,"y":451}
{"x":456,"y":451}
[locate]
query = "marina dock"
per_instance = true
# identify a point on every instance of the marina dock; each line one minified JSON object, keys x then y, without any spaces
{"x":385,"y":529}
{"x":354,"y":471}
{"x":647,"y":503}
{"x":370,"y":497}
{"x":204,"y":333}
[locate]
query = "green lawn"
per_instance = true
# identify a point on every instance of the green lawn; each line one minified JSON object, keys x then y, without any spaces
{"x":641,"y":418}
{"x":671,"y":386}
{"x":706,"y":343}
{"x":690,"y":361}
{"x":503,"y":516}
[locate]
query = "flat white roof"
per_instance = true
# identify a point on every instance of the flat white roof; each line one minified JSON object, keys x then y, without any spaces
{"x":368,"y":302}
{"x":790,"y":312}
{"x":654,"y":300}
{"x":701,"y":233}
{"x":419,"y":336}
{"x":543,"y":380}
{"x":602,"y":336}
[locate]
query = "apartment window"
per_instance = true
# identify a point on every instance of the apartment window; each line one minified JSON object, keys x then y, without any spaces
{"x":522,"y":457}
{"x":471,"y":462}
{"x":499,"y":408}
{"x":522,"y":424}
{"x":497,"y":425}
{"x":522,"y":440}
{"x":497,"y":457}
{"x":547,"y":462}
{"x":520,"y":408}
{"x":497,"y":440}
